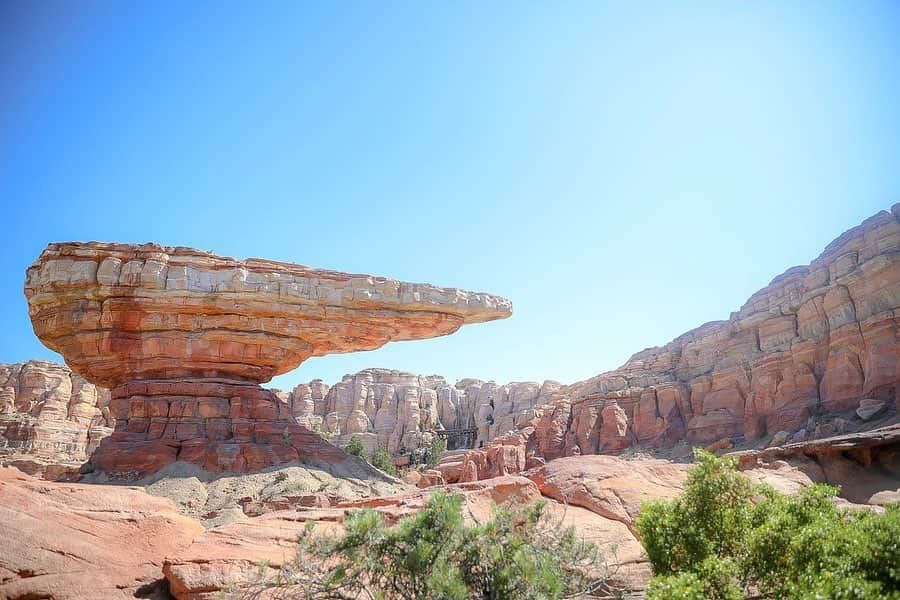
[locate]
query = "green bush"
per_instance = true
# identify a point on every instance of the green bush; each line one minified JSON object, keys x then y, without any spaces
{"x":381,"y":459}
{"x":434,"y":450}
{"x":706,"y":520}
{"x":519,"y":554}
{"x":355,"y":446}
{"x":723,"y":535}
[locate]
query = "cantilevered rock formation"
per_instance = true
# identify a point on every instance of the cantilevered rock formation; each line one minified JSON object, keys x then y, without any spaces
{"x":183,"y":338}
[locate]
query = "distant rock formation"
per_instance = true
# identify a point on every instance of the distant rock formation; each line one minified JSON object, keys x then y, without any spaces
{"x":183,"y":338}
{"x":403,"y":411}
{"x":814,"y":350}
{"x":51,"y":420}
{"x":820,"y":340}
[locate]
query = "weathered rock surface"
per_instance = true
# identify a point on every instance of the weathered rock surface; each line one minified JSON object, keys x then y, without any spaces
{"x":401,"y":410}
{"x":866,"y":465}
{"x":51,"y":420}
{"x":607,"y":485}
{"x":83,"y":541}
{"x":818,"y":339}
{"x":819,"y":342}
{"x":232,"y":555}
{"x":63,"y":540}
{"x":183,"y":338}
{"x":217,"y":498}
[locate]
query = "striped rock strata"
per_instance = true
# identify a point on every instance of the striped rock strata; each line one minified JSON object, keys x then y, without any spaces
{"x":401,"y":410}
{"x":51,"y":420}
{"x":183,"y":338}
{"x":821,"y":341}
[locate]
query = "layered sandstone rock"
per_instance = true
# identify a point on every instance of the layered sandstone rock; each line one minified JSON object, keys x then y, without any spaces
{"x":866,"y":465}
{"x":819,"y":341}
{"x":51,"y":420}
{"x":184,"y":337}
{"x":63,"y":540}
{"x":403,"y":411}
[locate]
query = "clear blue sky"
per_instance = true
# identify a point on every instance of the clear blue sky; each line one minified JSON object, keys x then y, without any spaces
{"x":622,"y":171}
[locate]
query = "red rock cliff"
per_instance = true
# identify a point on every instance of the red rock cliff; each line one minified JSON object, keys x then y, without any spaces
{"x":816,"y":342}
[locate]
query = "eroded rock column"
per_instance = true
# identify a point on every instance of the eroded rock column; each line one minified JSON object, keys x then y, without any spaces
{"x":183,"y":338}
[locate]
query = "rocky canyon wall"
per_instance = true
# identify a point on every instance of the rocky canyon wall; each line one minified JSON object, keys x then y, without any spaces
{"x":50,"y":419}
{"x":810,"y":354}
{"x":402,"y":410}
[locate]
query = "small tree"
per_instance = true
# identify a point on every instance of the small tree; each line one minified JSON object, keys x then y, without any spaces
{"x":708,"y":519}
{"x":434,"y":450}
{"x":355,"y":446}
{"x":519,"y":554}
{"x":724,"y":537}
{"x":381,"y":459}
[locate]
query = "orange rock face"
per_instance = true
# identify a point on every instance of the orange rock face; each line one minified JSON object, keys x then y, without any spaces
{"x":819,"y":341}
{"x":184,"y":337}
{"x":816,"y":341}
{"x":51,"y":420}
{"x":84,"y":541}
{"x":120,"y":312}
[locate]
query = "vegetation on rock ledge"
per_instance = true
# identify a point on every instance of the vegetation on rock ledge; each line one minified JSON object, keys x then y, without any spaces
{"x":433,"y":554}
{"x":433,"y":451}
{"x":355,"y":446}
{"x":381,"y":459}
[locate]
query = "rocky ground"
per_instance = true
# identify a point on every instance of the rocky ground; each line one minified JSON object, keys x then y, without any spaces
{"x":192,"y":536}
{"x":56,"y":528}
{"x":216,"y":498}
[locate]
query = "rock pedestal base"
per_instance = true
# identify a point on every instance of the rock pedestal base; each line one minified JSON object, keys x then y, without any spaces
{"x":219,"y":425}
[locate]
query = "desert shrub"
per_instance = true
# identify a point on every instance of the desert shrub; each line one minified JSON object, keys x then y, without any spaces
{"x":433,"y":554}
{"x":723,"y":535}
{"x":381,"y":459}
{"x":355,"y":446}
{"x":434,"y":450}
{"x":706,"y":520}
{"x":319,"y":429}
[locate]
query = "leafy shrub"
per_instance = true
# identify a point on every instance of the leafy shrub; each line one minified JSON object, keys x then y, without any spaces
{"x":519,"y":554}
{"x":434,"y":450}
{"x":723,"y":535}
{"x":706,"y":520}
{"x":355,"y":446}
{"x":381,"y":459}
{"x":319,"y":429}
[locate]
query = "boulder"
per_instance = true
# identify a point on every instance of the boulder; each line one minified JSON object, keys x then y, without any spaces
{"x":870,"y":408}
{"x":65,"y":540}
{"x":608,"y":485}
{"x":183,"y":338}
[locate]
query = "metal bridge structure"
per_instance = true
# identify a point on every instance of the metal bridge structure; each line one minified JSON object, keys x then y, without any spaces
{"x":458,"y":438}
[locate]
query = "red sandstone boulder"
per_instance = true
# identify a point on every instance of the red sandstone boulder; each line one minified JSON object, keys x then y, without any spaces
{"x":63,"y":540}
{"x":184,"y":337}
{"x":607,"y":485}
{"x":429,"y":478}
